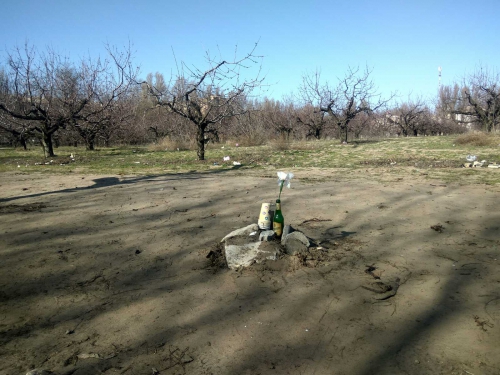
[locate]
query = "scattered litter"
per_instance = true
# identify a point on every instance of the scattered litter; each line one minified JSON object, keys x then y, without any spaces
{"x":236,"y":163}
{"x":471,"y":158}
{"x":226,"y":158}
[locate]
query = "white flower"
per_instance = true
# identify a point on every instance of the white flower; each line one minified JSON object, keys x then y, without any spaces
{"x":226,"y":158}
{"x":284,"y":178}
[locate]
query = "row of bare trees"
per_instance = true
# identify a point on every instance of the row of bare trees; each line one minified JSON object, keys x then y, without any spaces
{"x":48,"y":98}
{"x":42,"y":93}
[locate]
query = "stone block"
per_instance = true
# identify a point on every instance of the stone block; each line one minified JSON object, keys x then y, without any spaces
{"x":245,"y":231}
{"x":296,"y":243}
{"x":247,"y":254}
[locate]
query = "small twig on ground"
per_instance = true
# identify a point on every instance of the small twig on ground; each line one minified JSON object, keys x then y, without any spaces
{"x":315,"y":220}
{"x":438,"y":228}
{"x":482,"y":323}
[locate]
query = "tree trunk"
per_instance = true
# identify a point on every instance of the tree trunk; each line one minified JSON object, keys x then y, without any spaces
{"x":47,"y":145}
{"x":23,"y":143}
{"x":490,"y":126}
{"x":89,"y":142}
{"x":317,"y":133}
{"x":200,"y":141}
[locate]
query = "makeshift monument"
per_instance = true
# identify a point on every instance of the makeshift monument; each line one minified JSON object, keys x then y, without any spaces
{"x":257,"y":242}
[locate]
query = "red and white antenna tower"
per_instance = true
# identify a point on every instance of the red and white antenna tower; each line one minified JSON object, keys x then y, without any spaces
{"x":439,"y":80}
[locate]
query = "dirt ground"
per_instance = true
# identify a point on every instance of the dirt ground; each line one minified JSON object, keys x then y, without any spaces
{"x":109,"y":275}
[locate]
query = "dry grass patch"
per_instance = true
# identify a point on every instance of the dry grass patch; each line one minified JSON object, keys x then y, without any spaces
{"x":308,"y":145}
{"x":280,"y":144}
{"x":169,"y":144}
{"x":478,"y":139}
{"x":249,"y":140}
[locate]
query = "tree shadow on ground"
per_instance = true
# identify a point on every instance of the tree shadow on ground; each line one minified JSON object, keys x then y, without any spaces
{"x":136,"y":310}
{"x":103,"y":182}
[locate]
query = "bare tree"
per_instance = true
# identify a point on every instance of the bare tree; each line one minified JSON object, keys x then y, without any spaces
{"x":18,"y":131}
{"x":360,"y":123}
{"x":476,"y":101}
{"x":313,"y":120}
{"x":107,"y":84}
{"x":354,"y":94}
{"x":313,"y":96}
{"x":278,"y":116}
{"x":208,"y":97}
{"x":409,"y":116}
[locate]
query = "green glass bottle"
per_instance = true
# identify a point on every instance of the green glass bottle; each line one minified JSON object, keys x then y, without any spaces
{"x":278,"y":220}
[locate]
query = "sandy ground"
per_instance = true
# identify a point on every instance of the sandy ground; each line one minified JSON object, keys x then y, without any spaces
{"x":108,"y":274}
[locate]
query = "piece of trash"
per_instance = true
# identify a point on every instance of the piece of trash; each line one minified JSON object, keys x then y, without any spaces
{"x":226,"y":158}
{"x":89,"y":355}
{"x":237,"y":144}
{"x":137,"y":162}
{"x":216,"y":163}
{"x":236,"y":163}
{"x":471,"y":158}
{"x":253,"y":234}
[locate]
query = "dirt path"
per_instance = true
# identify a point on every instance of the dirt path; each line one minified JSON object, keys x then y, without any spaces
{"x":108,"y":274}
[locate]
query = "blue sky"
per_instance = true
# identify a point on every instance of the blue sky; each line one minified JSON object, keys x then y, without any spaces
{"x":404,"y":42}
